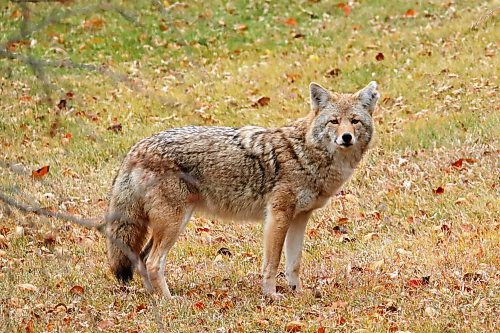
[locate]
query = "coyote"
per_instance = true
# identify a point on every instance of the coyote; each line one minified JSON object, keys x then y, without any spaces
{"x":279,"y":175}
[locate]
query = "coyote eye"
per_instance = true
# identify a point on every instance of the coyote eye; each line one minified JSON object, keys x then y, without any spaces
{"x":354,"y":121}
{"x":334,"y":121}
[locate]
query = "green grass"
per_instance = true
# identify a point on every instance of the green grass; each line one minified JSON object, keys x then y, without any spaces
{"x":439,"y":85}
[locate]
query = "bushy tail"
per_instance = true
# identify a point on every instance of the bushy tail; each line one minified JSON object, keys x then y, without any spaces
{"x":124,"y":232}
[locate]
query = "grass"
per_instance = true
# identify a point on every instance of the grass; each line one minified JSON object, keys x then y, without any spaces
{"x":420,"y":262}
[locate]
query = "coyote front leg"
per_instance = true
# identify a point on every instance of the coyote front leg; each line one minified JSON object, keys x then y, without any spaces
{"x":277,"y":223}
{"x":293,"y":250}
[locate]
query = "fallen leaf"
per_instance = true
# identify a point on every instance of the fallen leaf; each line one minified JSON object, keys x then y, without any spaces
{"x":94,"y":23}
{"x":62,"y":104}
{"x":344,"y":7}
{"x":439,"y":190}
{"x":240,"y":27}
{"x":29,"y":327}
{"x":294,"y":326}
{"x":27,"y":287}
{"x":37,"y":174}
{"x":15,"y":14}
{"x":224,"y":251}
{"x":380,"y":56}
{"x":458,"y":163}
{"x":340,"y":229}
{"x":321,"y":329}
{"x":290,"y":21}
{"x":334,"y":72}
{"x":410,"y":13}
{"x":416,"y":283}
{"x":473,"y":277}
{"x":292,"y":77}
{"x":115,"y":128}
{"x":199,"y":306}
{"x":77,"y":290}
{"x":49,"y":239}
{"x":261,"y":101}
{"x":343,"y":220}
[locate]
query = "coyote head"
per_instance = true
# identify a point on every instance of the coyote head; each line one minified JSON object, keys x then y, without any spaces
{"x":342,"y":121}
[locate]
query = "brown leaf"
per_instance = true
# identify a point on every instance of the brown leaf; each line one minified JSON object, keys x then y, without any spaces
{"x":49,"y":239}
{"x":115,"y":128}
{"x":410,"y":13}
{"x":4,"y":243}
{"x":94,"y":23}
{"x":341,"y":321}
{"x":458,"y":163}
{"x":37,"y":174}
{"x":292,"y":77}
{"x":294,"y":326}
{"x":240,"y":27}
{"x":340,"y":229}
{"x":290,"y":21}
{"x":261,"y":101}
{"x":77,"y":290}
{"x":474,"y":277}
{"x":62,"y":104}
{"x":344,"y":7}
{"x":380,"y":56}
{"x":439,"y":190}
{"x":224,"y":251}
{"x":343,"y":220}
{"x":334,"y":72}
{"x":30,"y":327}
{"x":321,"y":329}
{"x":416,"y":283}
{"x":15,"y":14}
{"x":199,"y":306}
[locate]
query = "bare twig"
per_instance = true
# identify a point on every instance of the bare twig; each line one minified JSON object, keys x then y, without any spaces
{"x":484,"y":17}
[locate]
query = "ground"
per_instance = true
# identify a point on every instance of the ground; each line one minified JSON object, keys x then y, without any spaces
{"x":410,"y":244}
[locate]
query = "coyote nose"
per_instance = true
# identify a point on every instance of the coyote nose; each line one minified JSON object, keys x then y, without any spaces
{"x":347,"y":137}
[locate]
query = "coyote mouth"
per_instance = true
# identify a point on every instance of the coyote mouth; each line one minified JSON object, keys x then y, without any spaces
{"x":345,"y":145}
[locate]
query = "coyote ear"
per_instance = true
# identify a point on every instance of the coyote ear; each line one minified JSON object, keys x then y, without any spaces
{"x":369,"y":96}
{"x":319,"y":96}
